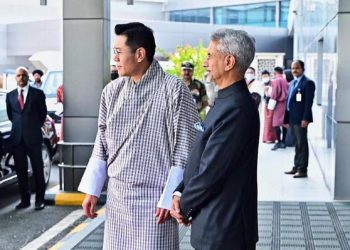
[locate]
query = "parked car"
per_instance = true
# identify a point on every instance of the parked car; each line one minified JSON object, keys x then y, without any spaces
{"x":49,"y":146}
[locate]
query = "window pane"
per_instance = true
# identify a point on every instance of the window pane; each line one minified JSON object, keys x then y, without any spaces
{"x":262,"y":14}
{"x":175,"y":16}
{"x":193,"y":16}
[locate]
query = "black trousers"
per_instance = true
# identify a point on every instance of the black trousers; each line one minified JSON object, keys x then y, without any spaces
{"x":278,"y":131}
{"x":33,"y":151}
{"x":301,"y":158}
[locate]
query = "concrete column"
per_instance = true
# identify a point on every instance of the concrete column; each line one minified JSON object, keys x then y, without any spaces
{"x":342,"y":114}
{"x":278,"y":13}
{"x":86,"y":58}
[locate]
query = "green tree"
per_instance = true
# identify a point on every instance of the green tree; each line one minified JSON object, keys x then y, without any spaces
{"x":188,"y":53}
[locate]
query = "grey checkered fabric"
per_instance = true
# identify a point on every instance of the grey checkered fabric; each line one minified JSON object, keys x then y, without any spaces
{"x":143,"y":130}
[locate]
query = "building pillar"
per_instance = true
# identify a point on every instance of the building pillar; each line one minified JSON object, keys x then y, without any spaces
{"x":342,"y":114}
{"x":86,"y":59}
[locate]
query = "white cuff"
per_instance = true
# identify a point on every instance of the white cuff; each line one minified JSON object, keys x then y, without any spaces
{"x":177,"y":193}
{"x":94,"y":177}
{"x":174,"y":178}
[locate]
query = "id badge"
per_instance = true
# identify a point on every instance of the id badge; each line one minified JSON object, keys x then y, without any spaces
{"x":298,"y":97}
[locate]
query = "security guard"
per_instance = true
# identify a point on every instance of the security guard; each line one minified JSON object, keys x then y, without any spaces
{"x":196,"y":87}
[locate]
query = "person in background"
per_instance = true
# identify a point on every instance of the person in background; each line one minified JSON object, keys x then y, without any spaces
{"x":37,"y":74}
{"x":59,"y":97}
{"x":195,"y":86}
{"x":255,"y":87}
{"x":26,"y":109}
{"x":279,"y":94}
{"x":114,"y":72}
{"x":212,"y":93}
{"x":269,"y":134}
{"x":298,"y":115}
{"x":287,"y":74}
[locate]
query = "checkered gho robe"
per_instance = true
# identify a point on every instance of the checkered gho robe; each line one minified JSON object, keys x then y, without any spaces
{"x":143,"y":130}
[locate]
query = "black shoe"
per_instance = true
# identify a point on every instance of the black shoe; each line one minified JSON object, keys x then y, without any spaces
{"x":300,"y":175}
{"x":276,"y":146}
{"x":23,"y":204}
{"x":282,"y":145}
{"x":293,"y":171}
{"x":39,"y":205}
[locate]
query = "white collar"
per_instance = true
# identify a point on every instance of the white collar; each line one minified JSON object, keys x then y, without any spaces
{"x":25,"y":89}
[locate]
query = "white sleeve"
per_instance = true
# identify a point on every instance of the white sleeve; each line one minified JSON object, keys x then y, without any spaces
{"x":94,"y":177}
{"x":174,"y":178}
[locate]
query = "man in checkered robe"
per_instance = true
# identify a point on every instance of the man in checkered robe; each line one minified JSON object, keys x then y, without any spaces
{"x":145,"y":133}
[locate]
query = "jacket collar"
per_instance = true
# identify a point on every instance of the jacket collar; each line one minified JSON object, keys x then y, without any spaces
{"x":237,"y":86}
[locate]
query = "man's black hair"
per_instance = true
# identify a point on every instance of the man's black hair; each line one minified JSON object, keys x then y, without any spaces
{"x":302,"y":64}
{"x":38,"y":71}
{"x":250,"y":67}
{"x":138,"y":35}
{"x":265,"y":72}
{"x":289,"y":75}
{"x":278,"y":70}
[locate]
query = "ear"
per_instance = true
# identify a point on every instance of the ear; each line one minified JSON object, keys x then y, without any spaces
{"x":230,"y":62}
{"x":140,"y":54}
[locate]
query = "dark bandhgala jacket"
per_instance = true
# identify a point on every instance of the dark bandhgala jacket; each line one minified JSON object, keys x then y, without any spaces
{"x":219,"y":190}
{"x":26,"y":124}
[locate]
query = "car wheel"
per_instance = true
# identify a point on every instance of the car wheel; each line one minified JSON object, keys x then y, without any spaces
{"x":47,"y":163}
{"x":47,"y":167}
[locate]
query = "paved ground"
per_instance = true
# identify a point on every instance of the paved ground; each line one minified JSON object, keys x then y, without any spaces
{"x":282,"y":225}
{"x":293,"y":213}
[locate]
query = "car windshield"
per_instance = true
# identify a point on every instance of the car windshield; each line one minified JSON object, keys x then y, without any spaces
{"x":53,"y":80}
{"x":3,"y":114}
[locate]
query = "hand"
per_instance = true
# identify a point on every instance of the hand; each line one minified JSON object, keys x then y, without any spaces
{"x":195,"y":92}
{"x":286,"y":125}
{"x":162,"y":214}
{"x":89,"y":206}
{"x":175,"y":212}
{"x":304,"y":124}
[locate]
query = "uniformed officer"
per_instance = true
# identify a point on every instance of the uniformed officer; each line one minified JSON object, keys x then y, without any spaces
{"x":196,"y":87}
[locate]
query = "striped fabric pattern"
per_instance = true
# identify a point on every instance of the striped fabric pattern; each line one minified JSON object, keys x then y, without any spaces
{"x":143,"y":130}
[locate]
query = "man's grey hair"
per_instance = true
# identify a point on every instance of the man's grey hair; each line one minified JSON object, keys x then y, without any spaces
{"x":237,"y":43}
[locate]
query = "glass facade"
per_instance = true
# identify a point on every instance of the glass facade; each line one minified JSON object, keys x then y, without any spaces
{"x":262,"y":14}
{"x":191,"y":16}
{"x":316,"y":35}
{"x":284,"y":14}
{"x":258,"y":14}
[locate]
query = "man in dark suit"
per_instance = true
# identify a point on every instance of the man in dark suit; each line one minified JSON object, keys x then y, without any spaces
{"x":27,"y":111}
{"x":298,"y":115}
{"x":218,"y":195}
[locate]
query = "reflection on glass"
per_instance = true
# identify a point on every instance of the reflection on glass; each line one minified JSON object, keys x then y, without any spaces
{"x":193,"y":16}
{"x":262,"y":14}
